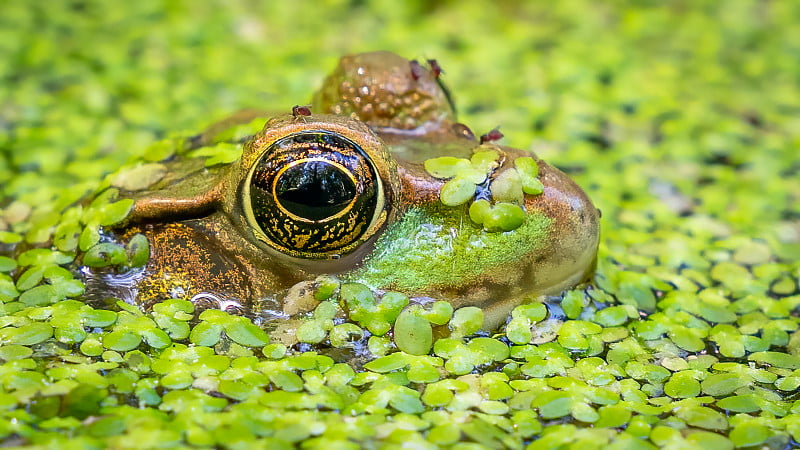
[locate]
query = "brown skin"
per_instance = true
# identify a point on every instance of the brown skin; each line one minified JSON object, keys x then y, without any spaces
{"x":203,"y":242}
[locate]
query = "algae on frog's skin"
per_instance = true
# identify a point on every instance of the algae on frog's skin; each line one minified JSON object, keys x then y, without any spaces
{"x":440,"y":246}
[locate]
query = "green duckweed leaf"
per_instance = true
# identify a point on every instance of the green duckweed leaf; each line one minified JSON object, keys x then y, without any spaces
{"x":156,"y":338}
{"x":122,"y":340}
{"x":43,"y":257}
{"x":749,"y":434}
{"x":437,"y":313}
{"x":612,"y":316}
{"x":504,"y":217}
{"x":776,"y":359}
{"x":67,"y":235}
{"x":7,"y":264}
{"x":244,"y":332}
{"x":553,"y":404}
{"x":573,"y":304}
{"x":206,"y":334}
{"x":274,"y":351}
{"x":8,"y":290}
{"x":104,"y":255}
{"x":721,"y":384}
{"x":533,"y":311}
{"x":139,"y":177}
{"x":326,"y":286}
{"x":160,"y":150}
{"x":325,"y":311}
{"x":466,"y":321}
{"x":311,"y":331}
{"x":702,"y":417}
{"x":221,"y":153}
{"x":445,"y":166}
{"x":89,"y":237}
{"x":518,"y":330}
{"x":389,"y":363}
{"x":413,"y":333}
{"x":739,"y":404}
{"x":40,"y":296}
{"x":107,"y":427}
{"x":30,"y":278}
{"x":683,"y":385}
{"x":344,"y":334}
{"x":706,"y":439}
{"x":457,"y":192}
{"x":99,"y":318}
{"x":138,"y":250}
{"x":32,"y":333}
{"x":115,"y":212}
{"x":7,"y":237}
{"x":479,"y":210}
{"x":484,"y":160}
{"x":11,"y":352}
{"x":507,"y":187}
{"x":612,"y":416}
{"x":91,"y":347}
{"x":528,"y":173}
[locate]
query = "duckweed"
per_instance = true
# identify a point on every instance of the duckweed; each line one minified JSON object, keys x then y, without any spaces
{"x":413,"y":333}
{"x":688,"y":338}
{"x":507,"y":188}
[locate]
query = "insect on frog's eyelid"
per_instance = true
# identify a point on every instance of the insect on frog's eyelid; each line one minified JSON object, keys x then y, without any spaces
{"x":301,"y":111}
{"x":436,"y":69}
{"x":494,"y":135}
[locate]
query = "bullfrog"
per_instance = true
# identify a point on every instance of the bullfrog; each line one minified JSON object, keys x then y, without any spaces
{"x":374,"y":182}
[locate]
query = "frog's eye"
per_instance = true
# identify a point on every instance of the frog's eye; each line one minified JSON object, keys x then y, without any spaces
{"x":313,"y":194}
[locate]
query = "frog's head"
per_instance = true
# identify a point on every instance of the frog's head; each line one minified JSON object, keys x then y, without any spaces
{"x":313,"y":191}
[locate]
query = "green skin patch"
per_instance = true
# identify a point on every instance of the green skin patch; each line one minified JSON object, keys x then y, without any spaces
{"x":440,"y":246}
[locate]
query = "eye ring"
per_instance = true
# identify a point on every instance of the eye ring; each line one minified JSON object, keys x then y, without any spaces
{"x":316,"y":193}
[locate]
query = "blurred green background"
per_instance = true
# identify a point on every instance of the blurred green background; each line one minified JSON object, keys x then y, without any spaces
{"x":681,"y":119}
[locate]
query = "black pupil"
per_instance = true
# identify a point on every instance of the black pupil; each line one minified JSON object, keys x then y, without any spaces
{"x":314,"y":190}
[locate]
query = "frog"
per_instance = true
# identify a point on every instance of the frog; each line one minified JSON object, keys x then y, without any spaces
{"x":353,"y":186}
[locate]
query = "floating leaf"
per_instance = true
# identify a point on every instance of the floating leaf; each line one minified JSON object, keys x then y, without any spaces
{"x":507,"y":187}
{"x":138,"y":250}
{"x":104,"y":255}
{"x":205,"y":334}
{"x":528,"y":175}
{"x":445,"y":166}
{"x":32,"y":333}
{"x":457,"y":192}
{"x":413,"y":333}
{"x":139,"y":177}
